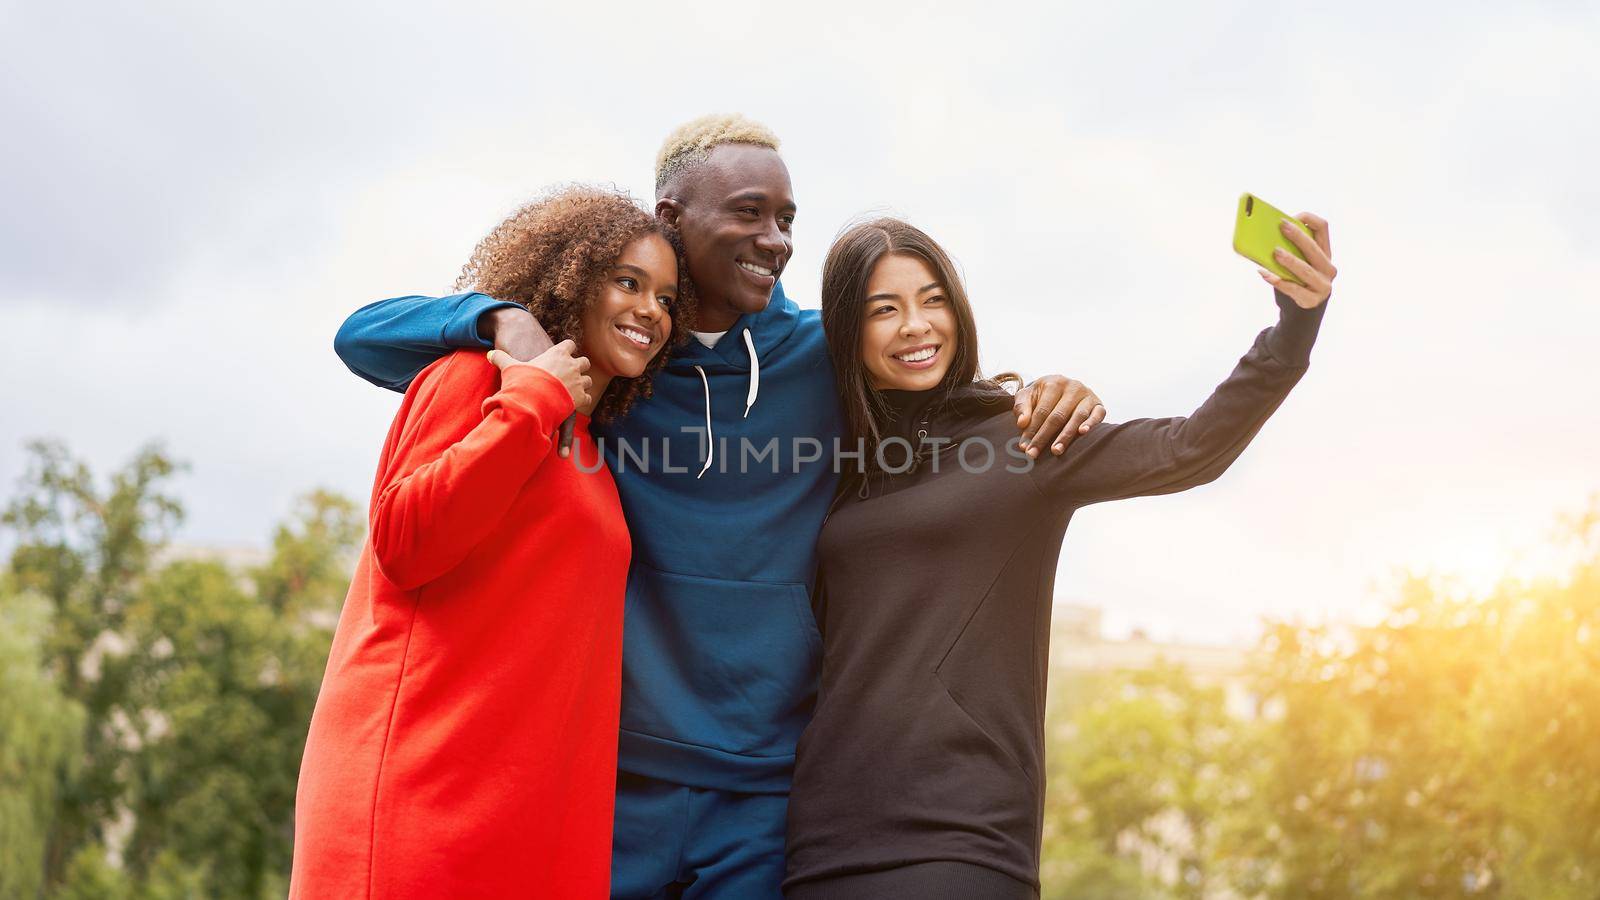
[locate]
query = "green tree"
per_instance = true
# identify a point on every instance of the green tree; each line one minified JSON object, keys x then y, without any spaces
{"x":1453,"y":750}
{"x":1139,"y":773}
{"x":84,"y":549}
{"x":223,"y":673}
{"x":89,"y":875}
{"x":191,"y":685}
{"x":42,"y":743}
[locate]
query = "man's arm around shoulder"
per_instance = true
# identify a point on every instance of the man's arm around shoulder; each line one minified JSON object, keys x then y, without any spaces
{"x":390,"y":341}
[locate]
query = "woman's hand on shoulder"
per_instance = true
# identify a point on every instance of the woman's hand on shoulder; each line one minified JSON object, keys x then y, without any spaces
{"x":1316,"y":271}
{"x":562,"y":362}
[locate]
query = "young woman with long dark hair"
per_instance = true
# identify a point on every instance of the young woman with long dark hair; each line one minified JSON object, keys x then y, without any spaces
{"x":464,"y":742}
{"x":922,"y":772}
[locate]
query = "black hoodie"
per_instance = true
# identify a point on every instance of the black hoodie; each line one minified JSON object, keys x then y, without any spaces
{"x":934,"y":605}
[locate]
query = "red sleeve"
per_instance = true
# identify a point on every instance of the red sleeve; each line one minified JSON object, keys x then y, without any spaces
{"x":454,"y":461}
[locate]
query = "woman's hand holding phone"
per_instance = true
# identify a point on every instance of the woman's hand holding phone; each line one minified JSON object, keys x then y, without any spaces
{"x":1315,"y":272}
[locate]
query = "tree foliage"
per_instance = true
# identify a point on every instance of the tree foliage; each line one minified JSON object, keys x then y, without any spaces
{"x":41,"y":743}
{"x":1451,"y":750}
{"x":153,"y":713}
{"x":180,"y":691}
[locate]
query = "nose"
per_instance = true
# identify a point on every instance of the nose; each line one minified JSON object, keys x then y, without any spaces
{"x":771,"y":240}
{"x":914,"y":324}
{"x":647,"y":309}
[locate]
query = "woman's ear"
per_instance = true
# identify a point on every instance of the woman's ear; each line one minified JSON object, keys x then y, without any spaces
{"x":668,"y":210}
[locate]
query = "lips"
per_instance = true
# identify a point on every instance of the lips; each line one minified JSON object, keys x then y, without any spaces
{"x":766,"y":276}
{"x":638,"y":338}
{"x":922,"y":356}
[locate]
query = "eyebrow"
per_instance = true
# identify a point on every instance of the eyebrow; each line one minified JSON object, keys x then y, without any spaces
{"x":890,"y":295}
{"x":626,"y":267}
{"x":758,"y":197}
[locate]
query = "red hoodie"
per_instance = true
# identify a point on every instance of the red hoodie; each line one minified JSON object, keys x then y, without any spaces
{"x":464,"y":742}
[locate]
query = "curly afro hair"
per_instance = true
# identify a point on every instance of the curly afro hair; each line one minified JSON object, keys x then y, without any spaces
{"x":553,"y":254}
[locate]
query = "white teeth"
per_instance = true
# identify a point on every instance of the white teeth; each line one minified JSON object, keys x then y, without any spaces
{"x":638,"y":337}
{"x":924,"y":354}
{"x":752,"y":267}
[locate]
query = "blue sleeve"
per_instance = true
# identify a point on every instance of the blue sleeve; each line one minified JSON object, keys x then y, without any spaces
{"x":390,"y":341}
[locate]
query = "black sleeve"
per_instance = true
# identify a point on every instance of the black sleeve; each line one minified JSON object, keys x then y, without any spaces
{"x":1163,"y":456}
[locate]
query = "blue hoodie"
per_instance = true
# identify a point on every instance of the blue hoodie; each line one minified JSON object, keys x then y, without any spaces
{"x":720,"y":648}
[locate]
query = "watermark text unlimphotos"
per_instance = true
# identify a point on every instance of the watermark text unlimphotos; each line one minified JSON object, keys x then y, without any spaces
{"x":743,"y":455}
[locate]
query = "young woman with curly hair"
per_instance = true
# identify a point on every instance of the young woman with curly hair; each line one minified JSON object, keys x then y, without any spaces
{"x":465,"y":738}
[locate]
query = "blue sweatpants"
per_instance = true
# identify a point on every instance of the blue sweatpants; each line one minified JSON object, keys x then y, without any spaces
{"x":673,"y":841}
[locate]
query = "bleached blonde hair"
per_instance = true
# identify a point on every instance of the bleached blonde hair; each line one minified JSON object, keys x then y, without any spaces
{"x":691,"y":142}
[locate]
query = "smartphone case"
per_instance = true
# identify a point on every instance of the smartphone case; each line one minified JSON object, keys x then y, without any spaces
{"x":1256,"y":234}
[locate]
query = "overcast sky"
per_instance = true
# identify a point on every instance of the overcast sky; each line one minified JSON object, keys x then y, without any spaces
{"x":196,"y":195}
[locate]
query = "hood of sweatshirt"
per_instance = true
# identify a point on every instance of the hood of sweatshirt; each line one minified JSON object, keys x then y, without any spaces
{"x":765,"y":331}
{"x":938,"y":415}
{"x":739,"y":350}
{"x":926,"y":424}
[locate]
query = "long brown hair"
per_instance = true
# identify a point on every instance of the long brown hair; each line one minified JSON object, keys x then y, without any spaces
{"x":851,"y":259}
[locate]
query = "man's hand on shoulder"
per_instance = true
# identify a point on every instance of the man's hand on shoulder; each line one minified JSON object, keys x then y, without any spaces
{"x":1054,"y":410}
{"x":514,"y":331}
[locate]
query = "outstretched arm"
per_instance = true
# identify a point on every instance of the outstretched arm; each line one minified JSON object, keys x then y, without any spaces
{"x":1161,"y":456}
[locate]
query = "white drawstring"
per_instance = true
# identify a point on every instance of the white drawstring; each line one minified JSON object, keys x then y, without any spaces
{"x":711,"y":444}
{"x":755,"y":374}
{"x":749,"y":400}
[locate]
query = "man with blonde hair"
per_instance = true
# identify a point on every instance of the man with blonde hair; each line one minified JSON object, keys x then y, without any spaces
{"x":721,"y":650}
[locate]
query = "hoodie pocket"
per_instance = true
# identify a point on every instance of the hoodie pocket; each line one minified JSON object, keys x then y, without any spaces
{"x":728,"y":665}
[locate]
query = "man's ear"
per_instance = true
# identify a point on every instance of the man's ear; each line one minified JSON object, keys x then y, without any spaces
{"x":669,"y":210}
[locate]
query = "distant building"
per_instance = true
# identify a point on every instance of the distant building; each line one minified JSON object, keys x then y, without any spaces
{"x":1078,"y":646}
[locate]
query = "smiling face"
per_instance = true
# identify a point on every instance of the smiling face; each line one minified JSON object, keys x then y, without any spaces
{"x":629,"y":321}
{"x":909,"y":332}
{"x":735,"y":211}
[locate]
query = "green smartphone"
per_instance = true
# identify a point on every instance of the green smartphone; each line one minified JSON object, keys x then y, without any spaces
{"x":1256,"y":235}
